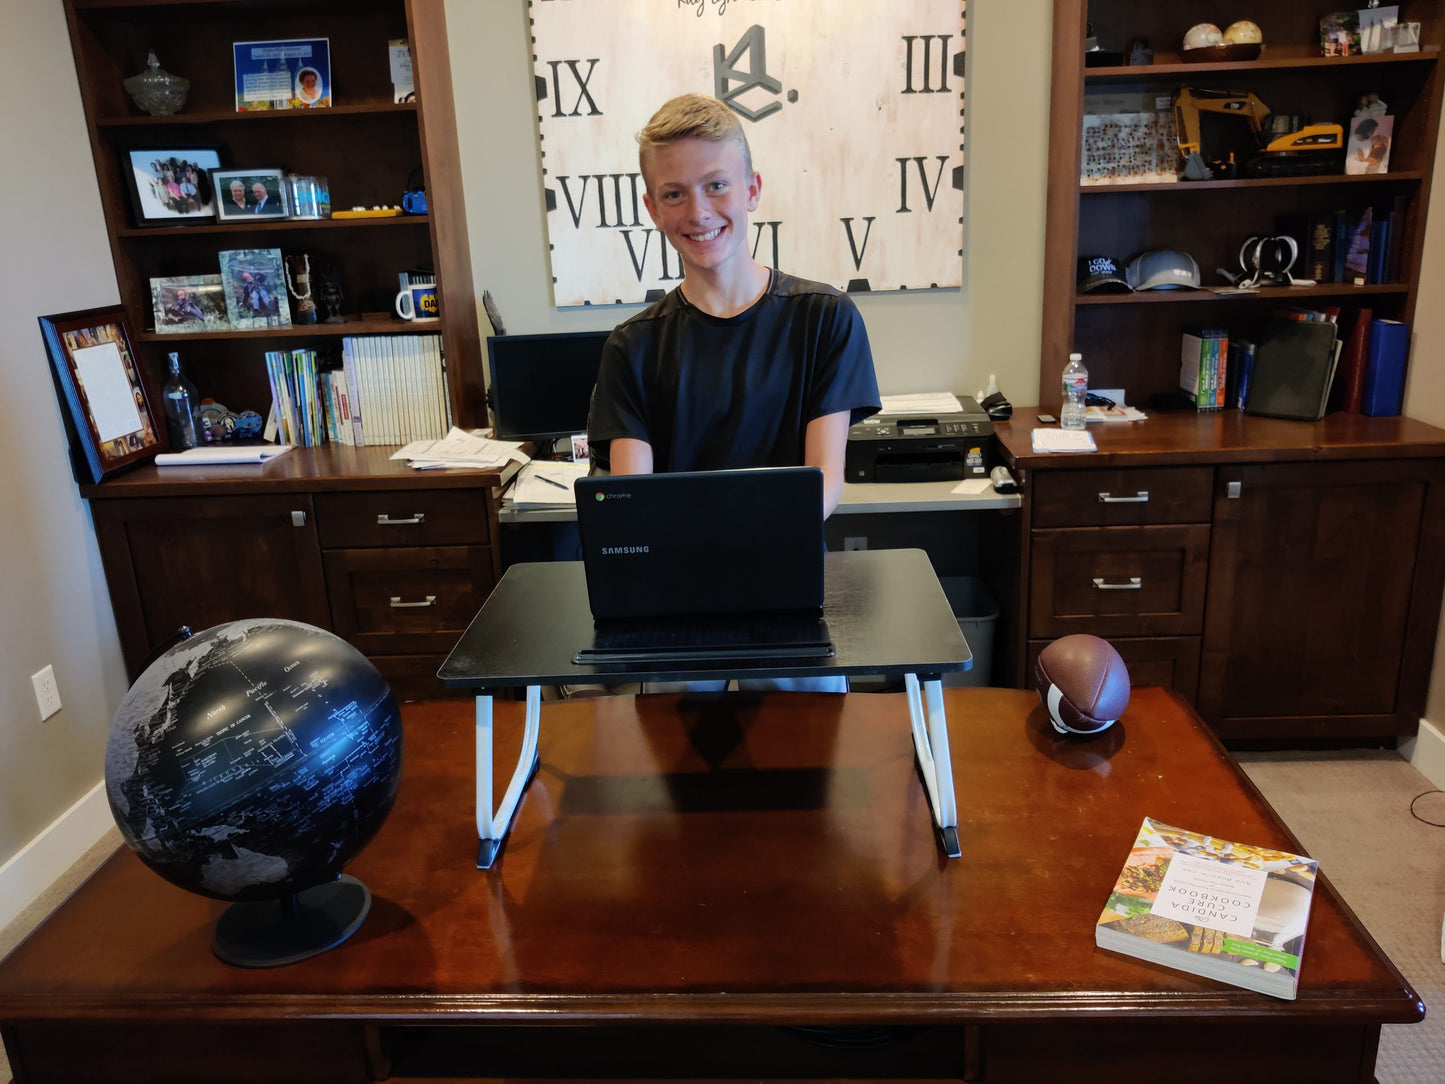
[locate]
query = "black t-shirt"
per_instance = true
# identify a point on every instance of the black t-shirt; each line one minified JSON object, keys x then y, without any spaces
{"x":713,"y":393}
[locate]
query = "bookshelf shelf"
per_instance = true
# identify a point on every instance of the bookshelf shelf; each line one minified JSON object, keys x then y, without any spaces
{"x":1274,"y":58}
{"x":1194,"y":188}
{"x":1274,"y":296}
{"x":221,"y":117}
{"x":290,"y":225}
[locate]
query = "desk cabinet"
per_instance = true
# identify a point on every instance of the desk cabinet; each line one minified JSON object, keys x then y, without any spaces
{"x":341,"y":538}
{"x":1284,"y":576}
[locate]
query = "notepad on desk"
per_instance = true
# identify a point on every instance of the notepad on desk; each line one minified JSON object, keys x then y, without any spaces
{"x":1064,"y":440}
{"x":213,"y":454}
{"x":544,"y":484}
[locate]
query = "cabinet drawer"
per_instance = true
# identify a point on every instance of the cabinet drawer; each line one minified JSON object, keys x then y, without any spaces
{"x":1168,"y":661}
{"x":403,"y":517}
{"x":1109,"y":498}
{"x":406,"y":600}
{"x":1119,"y":581}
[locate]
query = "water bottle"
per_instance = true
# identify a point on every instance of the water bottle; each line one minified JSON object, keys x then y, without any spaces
{"x":1076,"y":387}
{"x":180,"y":400}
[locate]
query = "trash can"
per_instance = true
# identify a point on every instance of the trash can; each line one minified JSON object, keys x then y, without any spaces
{"x":977,"y":614}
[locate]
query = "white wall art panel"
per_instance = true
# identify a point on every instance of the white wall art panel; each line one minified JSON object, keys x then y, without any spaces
{"x":853,"y":110}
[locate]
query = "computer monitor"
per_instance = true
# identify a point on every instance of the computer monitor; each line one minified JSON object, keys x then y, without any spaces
{"x":541,"y":385}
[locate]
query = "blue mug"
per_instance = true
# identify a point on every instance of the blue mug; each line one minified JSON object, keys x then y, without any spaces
{"x":418,"y":303}
{"x":414,"y":202}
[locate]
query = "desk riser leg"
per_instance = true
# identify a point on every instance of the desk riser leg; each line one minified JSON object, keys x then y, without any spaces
{"x":492,"y":828}
{"x":935,"y":766}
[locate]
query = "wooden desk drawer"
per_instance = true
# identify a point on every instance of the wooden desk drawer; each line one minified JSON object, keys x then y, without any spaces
{"x":1110,"y":498}
{"x":403,"y":517}
{"x":1119,"y":581}
{"x":411,"y":600}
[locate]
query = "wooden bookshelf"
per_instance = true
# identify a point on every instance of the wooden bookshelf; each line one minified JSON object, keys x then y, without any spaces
{"x":368,"y":147}
{"x":1132,"y":342}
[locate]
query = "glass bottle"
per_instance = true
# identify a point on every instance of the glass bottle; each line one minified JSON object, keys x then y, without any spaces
{"x":1076,"y":389}
{"x":181,"y":403}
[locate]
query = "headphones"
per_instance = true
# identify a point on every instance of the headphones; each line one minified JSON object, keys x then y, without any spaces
{"x":1266,"y":261}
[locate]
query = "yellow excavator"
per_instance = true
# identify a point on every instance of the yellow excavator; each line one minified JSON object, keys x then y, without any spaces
{"x":1231,"y":133}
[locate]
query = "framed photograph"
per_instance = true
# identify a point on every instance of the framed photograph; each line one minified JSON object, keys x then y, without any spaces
{"x":107,"y":411}
{"x":1340,"y":33}
{"x":294,"y":73}
{"x":254,"y":283}
{"x":1367,"y":146}
{"x":171,"y":186}
{"x":249,"y":193}
{"x":189,"y":303}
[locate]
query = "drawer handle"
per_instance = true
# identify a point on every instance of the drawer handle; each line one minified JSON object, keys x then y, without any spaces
{"x":430,"y":600}
{"x":388,"y":521}
{"x":1134,"y":584}
{"x":1142,"y":497}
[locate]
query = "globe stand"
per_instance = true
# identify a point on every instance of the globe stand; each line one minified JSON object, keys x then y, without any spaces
{"x":272,"y":933}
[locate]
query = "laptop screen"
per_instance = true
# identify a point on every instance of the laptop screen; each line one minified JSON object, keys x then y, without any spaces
{"x":703,"y":543}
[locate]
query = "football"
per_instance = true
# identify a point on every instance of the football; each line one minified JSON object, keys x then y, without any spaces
{"x":1082,"y":683}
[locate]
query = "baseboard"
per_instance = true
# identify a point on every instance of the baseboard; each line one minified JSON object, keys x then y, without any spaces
{"x":1426,"y":751}
{"x":30,"y":872}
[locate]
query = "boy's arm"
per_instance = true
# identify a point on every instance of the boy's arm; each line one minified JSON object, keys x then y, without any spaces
{"x":825,"y":442}
{"x":628,"y":455}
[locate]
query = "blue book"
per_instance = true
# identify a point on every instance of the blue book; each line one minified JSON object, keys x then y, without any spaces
{"x":1385,"y":368}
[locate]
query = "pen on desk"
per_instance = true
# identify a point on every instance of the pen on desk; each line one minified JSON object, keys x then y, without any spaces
{"x":552,"y":482}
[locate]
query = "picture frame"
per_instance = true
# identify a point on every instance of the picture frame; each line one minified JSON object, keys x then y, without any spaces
{"x":102,"y":394}
{"x":157,"y":179}
{"x":254,"y":281}
{"x":290,"y":73}
{"x":249,"y":193}
{"x":189,"y":303}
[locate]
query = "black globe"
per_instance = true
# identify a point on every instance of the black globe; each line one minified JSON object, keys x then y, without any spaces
{"x":254,"y":760}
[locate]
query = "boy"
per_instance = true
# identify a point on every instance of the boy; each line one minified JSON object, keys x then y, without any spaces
{"x":740,"y":365}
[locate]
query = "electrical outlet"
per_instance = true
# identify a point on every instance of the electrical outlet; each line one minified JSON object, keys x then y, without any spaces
{"x":856,"y":542}
{"x":47,"y":694}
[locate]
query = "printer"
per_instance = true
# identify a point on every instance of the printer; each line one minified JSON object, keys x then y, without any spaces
{"x":921,"y":447}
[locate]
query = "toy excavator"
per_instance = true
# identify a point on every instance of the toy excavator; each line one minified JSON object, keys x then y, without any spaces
{"x":1230,"y":133}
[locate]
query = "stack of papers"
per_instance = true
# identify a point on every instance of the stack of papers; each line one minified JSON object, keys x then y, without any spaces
{"x":210,"y":454}
{"x":461,"y":449}
{"x":1114,"y":414}
{"x":924,"y":402}
{"x":544,"y":484}
{"x":1064,"y":440}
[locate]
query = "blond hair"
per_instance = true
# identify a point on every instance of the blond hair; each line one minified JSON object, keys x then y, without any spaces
{"x":693,"y":116}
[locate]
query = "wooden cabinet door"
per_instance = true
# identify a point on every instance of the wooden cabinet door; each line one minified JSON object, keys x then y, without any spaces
{"x":201,"y":561}
{"x":1315,"y":608}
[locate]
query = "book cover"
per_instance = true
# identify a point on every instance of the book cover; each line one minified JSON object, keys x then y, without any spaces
{"x":1221,"y":910}
{"x":1379,"y":244}
{"x":1318,"y":255}
{"x":1383,"y":390}
{"x":1357,"y":247}
{"x":1341,"y":245}
{"x":1243,"y":366}
{"x":1293,"y":368}
{"x":1351,"y":377}
{"x":1193,"y":366}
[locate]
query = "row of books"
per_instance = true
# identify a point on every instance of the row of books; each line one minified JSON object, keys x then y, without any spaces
{"x":1361,"y":246}
{"x":295,"y":404}
{"x":396,"y":390}
{"x":1302,"y":363}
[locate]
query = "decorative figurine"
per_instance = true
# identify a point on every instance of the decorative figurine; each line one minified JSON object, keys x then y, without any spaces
{"x":298,"y":285}
{"x":331,"y":298}
{"x":156,"y":91}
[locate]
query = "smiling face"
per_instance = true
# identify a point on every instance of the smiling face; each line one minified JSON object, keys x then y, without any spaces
{"x":258,"y":191}
{"x":238,"y":193}
{"x":699,"y":194}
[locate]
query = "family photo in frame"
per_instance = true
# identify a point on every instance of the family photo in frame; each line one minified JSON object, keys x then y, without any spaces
{"x":107,"y":411}
{"x":172,"y":186}
{"x":249,"y":193}
{"x":189,"y":303}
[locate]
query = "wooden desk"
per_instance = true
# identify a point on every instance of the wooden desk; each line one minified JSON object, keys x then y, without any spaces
{"x":690,"y":882}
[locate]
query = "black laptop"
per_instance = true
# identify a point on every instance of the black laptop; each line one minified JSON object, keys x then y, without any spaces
{"x":704,"y":565}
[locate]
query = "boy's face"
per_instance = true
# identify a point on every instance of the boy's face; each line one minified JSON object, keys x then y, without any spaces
{"x":699,"y":194}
